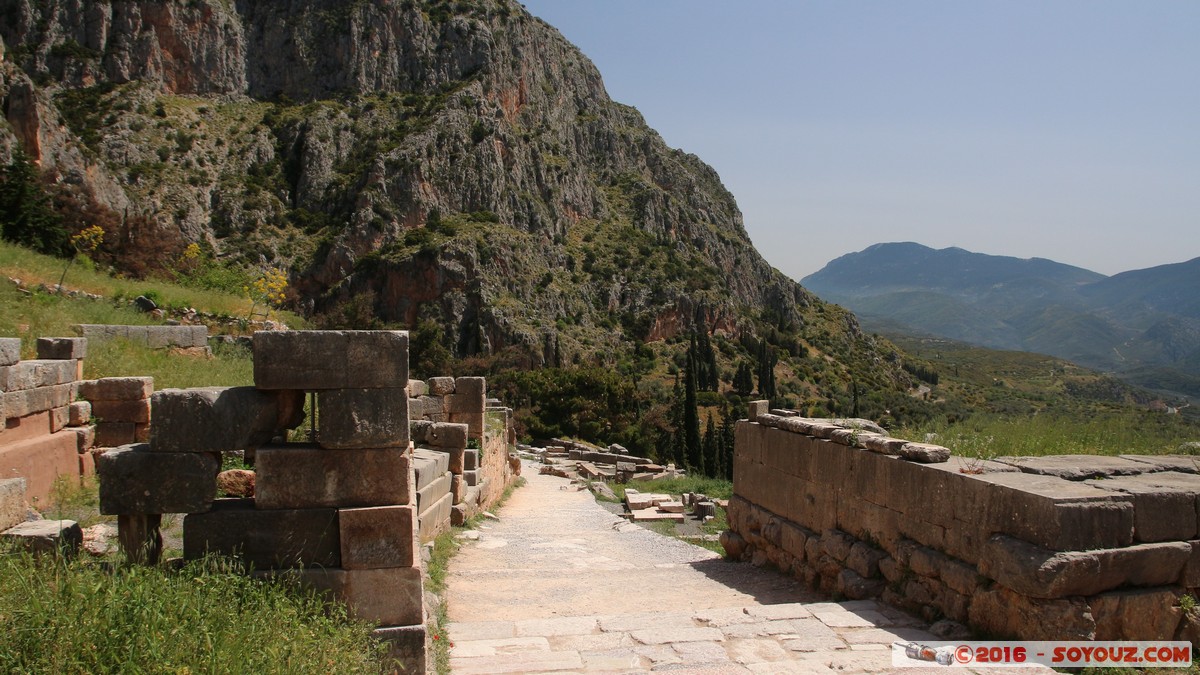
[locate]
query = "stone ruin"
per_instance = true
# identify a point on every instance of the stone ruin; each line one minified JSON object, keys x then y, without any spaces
{"x":346,"y":510}
{"x":1046,"y":548}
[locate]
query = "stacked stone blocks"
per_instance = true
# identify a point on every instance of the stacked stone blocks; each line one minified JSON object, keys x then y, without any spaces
{"x":1035,"y":548}
{"x":154,"y":337}
{"x":45,"y":434}
{"x":340,"y":512}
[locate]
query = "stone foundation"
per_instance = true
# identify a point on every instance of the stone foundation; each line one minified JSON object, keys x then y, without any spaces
{"x":1056,"y":548}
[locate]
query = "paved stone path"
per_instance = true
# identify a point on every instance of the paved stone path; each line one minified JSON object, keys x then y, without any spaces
{"x":559,"y":584}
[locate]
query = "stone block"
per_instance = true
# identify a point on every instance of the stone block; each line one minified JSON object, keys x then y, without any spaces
{"x":39,"y":373}
{"x":10,"y":351}
{"x":117,"y":388}
{"x":318,"y":360}
{"x":264,"y":539}
{"x":222,"y":419}
{"x":449,"y":436}
{"x":12,"y":502}
{"x":430,"y":494}
{"x":122,"y":411}
{"x":436,"y":519}
{"x":115,"y":434}
{"x":458,"y":489}
{"x":757,"y":409}
{"x":141,"y":432}
{"x":924,"y":453}
{"x":79,"y":413}
{"x":59,"y":417}
{"x":28,"y":427}
{"x":1076,"y":467}
{"x":441,"y":386}
{"x":134,"y":480}
{"x":41,"y":399}
{"x":1041,"y":573}
{"x":1148,"y":614}
{"x":474,"y":421}
{"x":864,"y":560}
{"x":85,"y":437}
{"x":162,"y":337}
{"x":378,"y":537}
{"x":87,"y":464}
{"x":46,"y":536}
{"x":1181,"y":463}
{"x":418,"y":429}
{"x":1002,"y":613}
{"x":362,"y":418}
{"x":471,"y":478}
{"x":1056,"y":514}
{"x":471,"y":459}
{"x":405,"y":648}
{"x":417,"y":388}
{"x":470,"y":395}
{"x":1191,"y":571}
{"x":1164,"y":503}
{"x":298,"y":476}
{"x":456,"y":460}
{"x":64,"y":348}
{"x":429,"y":465}
{"x":389,"y":597}
{"x":40,"y":461}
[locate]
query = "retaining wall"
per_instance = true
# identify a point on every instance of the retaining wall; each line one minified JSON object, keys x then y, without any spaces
{"x":154,"y":337}
{"x":1052,"y":548}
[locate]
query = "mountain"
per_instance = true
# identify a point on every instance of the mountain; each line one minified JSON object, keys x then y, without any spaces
{"x":456,"y":168}
{"x":1143,"y":324}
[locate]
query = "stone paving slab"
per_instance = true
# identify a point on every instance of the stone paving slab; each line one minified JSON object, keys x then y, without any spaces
{"x":558,"y":585}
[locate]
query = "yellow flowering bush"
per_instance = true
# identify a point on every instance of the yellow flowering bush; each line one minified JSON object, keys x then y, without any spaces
{"x":269,"y":290}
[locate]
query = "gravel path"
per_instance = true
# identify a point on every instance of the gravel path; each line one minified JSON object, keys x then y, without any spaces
{"x":559,"y":584}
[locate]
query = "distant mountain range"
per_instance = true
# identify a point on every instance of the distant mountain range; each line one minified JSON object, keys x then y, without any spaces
{"x":1143,"y":325}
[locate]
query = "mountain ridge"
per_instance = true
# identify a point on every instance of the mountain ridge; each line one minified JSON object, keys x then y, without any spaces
{"x":1143,"y":324}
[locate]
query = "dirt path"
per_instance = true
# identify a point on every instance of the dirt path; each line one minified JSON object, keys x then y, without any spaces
{"x":559,"y":584}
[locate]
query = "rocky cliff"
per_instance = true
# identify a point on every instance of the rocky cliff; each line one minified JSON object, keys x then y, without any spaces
{"x":458,"y":161}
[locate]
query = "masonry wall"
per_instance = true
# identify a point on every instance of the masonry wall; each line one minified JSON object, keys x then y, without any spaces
{"x":1048,"y":548}
{"x":154,"y":337}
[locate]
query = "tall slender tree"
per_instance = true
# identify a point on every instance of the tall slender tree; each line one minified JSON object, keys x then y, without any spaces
{"x":691,"y":415}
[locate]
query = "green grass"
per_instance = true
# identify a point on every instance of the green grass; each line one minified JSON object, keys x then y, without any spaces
{"x":1125,"y":432}
{"x":715,"y":488}
{"x":229,"y":367}
{"x":80,"y":617}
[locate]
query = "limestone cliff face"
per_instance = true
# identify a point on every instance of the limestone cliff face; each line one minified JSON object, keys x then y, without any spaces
{"x":457,"y":160}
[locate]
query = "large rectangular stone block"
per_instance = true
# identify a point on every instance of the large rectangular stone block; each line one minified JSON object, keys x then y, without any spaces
{"x":471,"y":459}
{"x":115,"y":434}
{"x":134,"y":480}
{"x":471,"y":477}
{"x":117,"y":388}
{"x":428,"y":465}
{"x":436,"y":489}
{"x":390,"y":597}
{"x":39,"y":373}
{"x":316,"y":360}
{"x":436,"y":519}
{"x":362,"y":418}
{"x":222,"y":419}
{"x":264,"y":539}
{"x":1164,"y":503}
{"x":1057,"y":514}
{"x":305,"y":476}
{"x":24,"y":428}
{"x":63,"y":348}
{"x":12,"y":502}
{"x":446,"y":435}
{"x":40,"y":399}
{"x":475,"y":423}
{"x":1042,"y":573}
{"x":122,"y":411}
{"x":41,"y":461}
{"x":379,"y":537}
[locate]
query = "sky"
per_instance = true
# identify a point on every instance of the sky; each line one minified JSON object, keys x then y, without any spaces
{"x":1060,"y":129}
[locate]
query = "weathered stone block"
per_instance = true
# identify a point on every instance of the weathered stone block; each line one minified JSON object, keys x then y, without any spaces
{"x":79,"y":413}
{"x":39,"y":373}
{"x":46,"y":536}
{"x":1140,"y":615}
{"x":63,"y":348}
{"x":1056,"y":514}
{"x":222,"y":419}
{"x":305,"y":476}
{"x":12,"y":502}
{"x":122,"y":411}
{"x":864,"y":560}
{"x":1004,"y":614}
{"x":390,"y":596}
{"x":429,"y":465}
{"x":446,"y":435}
{"x":458,"y":489}
{"x":418,"y":429}
{"x":431,"y":493}
{"x":470,"y":395}
{"x":264,"y":539}
{"x":417,"y":388}
{"x":85,"y":437}
{"x":1040,"y":573}
{"x":115,"y":434}
{"x":1076,"y":467}
{"x":471,"y":459}
{"x":1164,"y":504}
{"x":471,"y":478}
{"x":32,"y":401}
{"x":10,"y":351}
{"x":436,"y":519}
{"x":378,"y":537}
{"x":59,"y":418}
{"x":758,"y":409}
{"x":362,"y":418}
{"x":41,"y":461}
{"x":117,"y":388}
{"x":924,"y":453}
{"x":884,"y":445}
{"x":317,"y":360}
{"x":441,"y":386}
{"x":134,"y":480}
{"x":405,"y":647}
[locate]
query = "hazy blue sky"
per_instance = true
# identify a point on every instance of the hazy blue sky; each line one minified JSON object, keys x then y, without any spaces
{"x":1062,"y":129}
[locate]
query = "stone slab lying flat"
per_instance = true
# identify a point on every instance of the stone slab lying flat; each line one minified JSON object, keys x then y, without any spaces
{"x":221,"y":419}
{"x":1056,"y":514}
{"x":46,"y":536}
{"x":265,"y":539}
{"x":338,"y":359}
{"x":134,"y":480}
{"x":429,"y":465}
{"x":1076,"y":467}
{"x":653,"y":514}
{"x":436,"y":489}
{"x":1165,"y":503}
{"x":299,"y":476}
{"x":1181,"y":463}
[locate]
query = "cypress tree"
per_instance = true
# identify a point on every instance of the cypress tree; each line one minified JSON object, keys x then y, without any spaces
{"x":691,"y":416}
{"x":26,"y":215}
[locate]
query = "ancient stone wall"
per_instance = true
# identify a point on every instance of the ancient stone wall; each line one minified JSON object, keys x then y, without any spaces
{"x":45,"y":434}
{"x":1075,"y":547}
{"x":154,"y":337}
